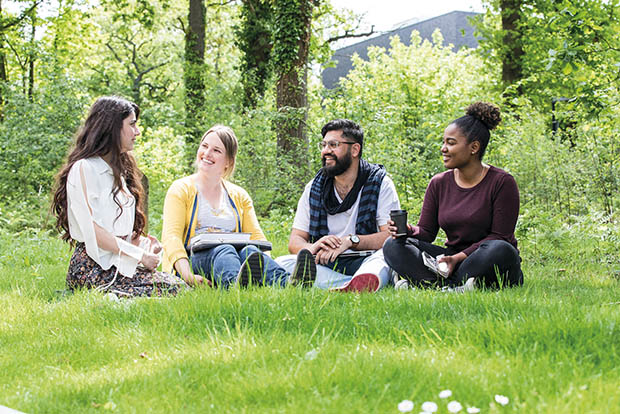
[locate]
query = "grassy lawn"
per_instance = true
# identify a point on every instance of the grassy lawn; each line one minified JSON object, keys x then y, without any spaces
{"x":551,"y":346}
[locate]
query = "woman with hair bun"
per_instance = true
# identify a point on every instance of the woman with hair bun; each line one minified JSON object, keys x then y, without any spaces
{"x":98,"y":205}
{"x":475,"y":204}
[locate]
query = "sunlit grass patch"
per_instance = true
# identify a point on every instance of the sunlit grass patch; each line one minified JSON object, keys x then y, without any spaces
{"x":547,"y":346}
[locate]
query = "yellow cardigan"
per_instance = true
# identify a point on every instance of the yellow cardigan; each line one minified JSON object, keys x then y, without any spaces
{"x":178,"y":211}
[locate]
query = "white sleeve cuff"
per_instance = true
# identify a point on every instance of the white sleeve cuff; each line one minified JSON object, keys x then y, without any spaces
{"x":128,"y":261}
{"x":129,"y":249}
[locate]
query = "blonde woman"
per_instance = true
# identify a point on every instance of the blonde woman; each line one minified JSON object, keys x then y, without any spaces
{"x":207,"y":202}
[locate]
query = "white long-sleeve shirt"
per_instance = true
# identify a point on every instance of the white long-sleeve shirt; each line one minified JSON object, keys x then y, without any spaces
{"x":89,"y":197}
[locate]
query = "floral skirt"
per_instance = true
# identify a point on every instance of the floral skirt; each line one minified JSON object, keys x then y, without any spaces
{"x":84,"y":272}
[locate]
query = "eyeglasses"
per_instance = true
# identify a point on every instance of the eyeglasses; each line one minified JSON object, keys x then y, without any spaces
{"x":333,"y":144}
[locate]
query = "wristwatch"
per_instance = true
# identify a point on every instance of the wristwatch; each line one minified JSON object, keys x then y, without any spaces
{"x":355,"y":240}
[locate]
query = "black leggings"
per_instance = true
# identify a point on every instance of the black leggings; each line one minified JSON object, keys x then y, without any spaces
{"x":490,"y":259}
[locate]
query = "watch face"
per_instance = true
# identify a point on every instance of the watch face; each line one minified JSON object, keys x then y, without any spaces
{"x":355,"y":239}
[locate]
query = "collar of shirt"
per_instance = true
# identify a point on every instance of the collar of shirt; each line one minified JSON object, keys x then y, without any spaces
{"x":101,"y":166}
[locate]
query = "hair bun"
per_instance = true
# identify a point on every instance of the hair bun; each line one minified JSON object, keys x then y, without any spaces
{"x":485,"y":112}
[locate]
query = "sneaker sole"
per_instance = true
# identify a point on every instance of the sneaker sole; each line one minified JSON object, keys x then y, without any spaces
{"x":251,"y":271}
{"x":365,"y":282}
{"x":305,"y":269}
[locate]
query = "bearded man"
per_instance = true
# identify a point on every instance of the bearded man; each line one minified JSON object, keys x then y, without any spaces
{"x":342,"y":215}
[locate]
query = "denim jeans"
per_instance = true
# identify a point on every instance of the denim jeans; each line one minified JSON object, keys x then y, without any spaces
{"x":490,"y":259}
{"x":221,"y":265}
{"x":328,"y":277}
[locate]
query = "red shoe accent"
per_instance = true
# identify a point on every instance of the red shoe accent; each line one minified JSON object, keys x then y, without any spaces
{"x":364,"y":282}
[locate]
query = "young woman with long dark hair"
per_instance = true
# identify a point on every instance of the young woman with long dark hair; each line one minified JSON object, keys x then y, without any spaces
{"x":98,"y":205}
{"x":477,"y":206}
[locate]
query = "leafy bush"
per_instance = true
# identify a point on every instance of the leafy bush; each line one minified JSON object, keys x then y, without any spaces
{"x":160,"y":154}
{"x":570,"y":173}
{"x":403,"y":99}
{"x":35,"y":137}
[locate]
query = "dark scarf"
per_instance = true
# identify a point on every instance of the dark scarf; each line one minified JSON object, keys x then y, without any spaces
{"x":323,"y":200}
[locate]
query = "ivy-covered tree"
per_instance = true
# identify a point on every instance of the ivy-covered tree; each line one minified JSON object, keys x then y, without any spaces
{"x":512,"y":48}
{"x":194,"y":66}
{"x":254,"y":39}
{"x":290,"y":58}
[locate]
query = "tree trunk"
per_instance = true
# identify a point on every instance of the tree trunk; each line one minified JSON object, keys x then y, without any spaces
{"x":254,"y":40}
{"x":3,"y":79}
{"x":3,"y":74}
{"x":31,"y":55}
{"x":135,"y":89}
{"x":194,"y":66}
{"x":291,"y":102}
{"x":291,"y":85}
{"x":512,"y":56}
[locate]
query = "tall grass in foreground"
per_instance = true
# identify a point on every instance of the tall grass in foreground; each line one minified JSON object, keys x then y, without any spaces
{"x":551,"y":346}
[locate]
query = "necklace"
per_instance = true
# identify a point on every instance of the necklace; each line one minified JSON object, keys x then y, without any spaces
{"x":216,"y":211}
{"x":473,"y":183}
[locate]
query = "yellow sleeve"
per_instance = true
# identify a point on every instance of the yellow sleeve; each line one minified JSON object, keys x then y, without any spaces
{"x":249,"y":221}
{"x":175,"y":225}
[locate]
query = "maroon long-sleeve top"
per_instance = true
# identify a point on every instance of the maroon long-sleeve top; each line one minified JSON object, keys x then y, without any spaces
{"x":469,"y":216}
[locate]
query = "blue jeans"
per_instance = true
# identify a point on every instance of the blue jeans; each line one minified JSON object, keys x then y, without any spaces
{"x":490,"y":259}
{"x":221,"y":265}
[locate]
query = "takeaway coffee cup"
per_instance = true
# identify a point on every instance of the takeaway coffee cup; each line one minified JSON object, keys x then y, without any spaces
{"x":399,"y":217}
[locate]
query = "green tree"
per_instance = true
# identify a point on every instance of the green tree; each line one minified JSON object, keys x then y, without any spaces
{"x":553,"y":48}
{"x":512,"y":49}
{"x":139,"y":49}
{"x":290,"y":58}
{"x":194,"y":67}
{"x":254,"y":39}
{"x":8,"y":23}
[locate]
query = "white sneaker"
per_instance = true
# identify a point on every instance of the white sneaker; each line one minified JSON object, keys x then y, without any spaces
{"x":469,"y":286}
{"x":401,"y":284}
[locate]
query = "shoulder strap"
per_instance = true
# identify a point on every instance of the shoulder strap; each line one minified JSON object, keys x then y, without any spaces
{"x":191,"y":221}
{"x":232,"y":203}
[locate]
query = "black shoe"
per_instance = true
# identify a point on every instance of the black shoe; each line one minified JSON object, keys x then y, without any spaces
{"x":251,"y":271}
{"x":305,"y":269}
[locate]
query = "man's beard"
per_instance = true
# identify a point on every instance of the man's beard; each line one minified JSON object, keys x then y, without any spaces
{"x":340,"y":165}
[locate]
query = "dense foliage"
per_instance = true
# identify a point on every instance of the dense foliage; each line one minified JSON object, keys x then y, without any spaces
{"x":403,"y":97}
{"x":550,"y":346}
{"x":404,"y":100}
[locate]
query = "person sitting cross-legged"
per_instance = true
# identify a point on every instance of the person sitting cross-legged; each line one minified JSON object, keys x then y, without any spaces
{"x":207,"y":202}
{"x":342,"y":211}
{"x":477,"y":206}
{"x":98,"y":203}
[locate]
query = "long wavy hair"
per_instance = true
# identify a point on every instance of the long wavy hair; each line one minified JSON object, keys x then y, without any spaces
{"x":101,"y":136}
